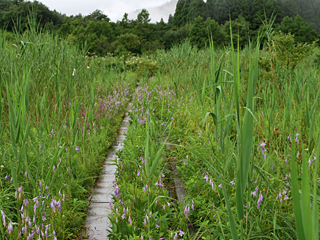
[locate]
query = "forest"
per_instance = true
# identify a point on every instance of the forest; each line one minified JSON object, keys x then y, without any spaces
{"x":195,"y":20}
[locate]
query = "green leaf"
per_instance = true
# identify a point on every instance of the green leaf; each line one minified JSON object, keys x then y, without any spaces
{"x":296,"y":195}
{"x":157,"y":159}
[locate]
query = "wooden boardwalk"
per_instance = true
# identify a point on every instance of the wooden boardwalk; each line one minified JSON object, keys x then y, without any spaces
{"x":97,"y":222}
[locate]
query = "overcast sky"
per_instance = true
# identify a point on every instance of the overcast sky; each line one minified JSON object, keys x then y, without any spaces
{"x":113,"y":8}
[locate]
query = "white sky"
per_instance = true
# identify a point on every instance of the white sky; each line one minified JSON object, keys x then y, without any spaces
{"x":114,"y":9}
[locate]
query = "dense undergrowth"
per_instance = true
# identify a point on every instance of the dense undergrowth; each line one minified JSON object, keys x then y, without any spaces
{"x":60,"y":112}
{"x":243,"y":138}
{"x":238,"y":128}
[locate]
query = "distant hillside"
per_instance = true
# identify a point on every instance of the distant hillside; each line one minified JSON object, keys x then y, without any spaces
{"x":156,"y":13}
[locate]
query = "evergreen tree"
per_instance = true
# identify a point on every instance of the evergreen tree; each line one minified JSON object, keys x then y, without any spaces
{"x":171,"y":20}
{"x":197,"y":8}
{"x":289,"y":7}
{"x":198,"y":33}
{"x":302,"y":31}
{"x":211,"y":7}
{"x":306,"y":10}
{"x":317,"y":14}
{"x":202,"y":31}
{"x":178,"y":15}
{"x":240,"y":31}
{"x":223,"y":10}
{"x":257,"y":10}
{"x":185,"y":12}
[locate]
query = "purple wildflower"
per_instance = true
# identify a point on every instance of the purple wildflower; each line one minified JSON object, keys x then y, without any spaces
{"x":181,"y":233}
{"x":52,"y":205}
{"x":260,"y":200}
{"x":211,"y":183}
{"x":10,"y":228}
{"x":254,"y":193}
{"x":3,"y":218}
{"x":206,"y":178}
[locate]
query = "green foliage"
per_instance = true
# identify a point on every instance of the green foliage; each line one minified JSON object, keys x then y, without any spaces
{"x":12,"y":14}
{"x":197,"y":8}
{"x":96,"y":34}
{"x":302,"y":31}
{"x":55,"y":128}
{"x":285,"y":52}
{"x":126,"y":43}
{"x":142,"y":66}
{"x":202,"y":31}
{"x":176,"y":37}
{"x":240,"y":30}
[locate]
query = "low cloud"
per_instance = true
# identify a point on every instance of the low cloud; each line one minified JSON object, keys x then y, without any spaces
{"x":114,"y":9}
{"x":156,"y":13}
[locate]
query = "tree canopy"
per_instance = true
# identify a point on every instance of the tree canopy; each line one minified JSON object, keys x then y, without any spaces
{"x":193,"y":20}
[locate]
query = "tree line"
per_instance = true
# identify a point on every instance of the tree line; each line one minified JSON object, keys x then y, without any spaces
{"x":195,"y":20}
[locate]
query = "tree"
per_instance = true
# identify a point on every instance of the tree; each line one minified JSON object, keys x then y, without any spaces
{"x":211,"y":7}
{"x":185,"y":13}
{"x":178,"y":15}
{"x":257,"y":10}
{"x":202,"y":31}
{"x":302,"y":31}
{"x":98,"y":15}
{"x":170,"y":20}
{"x":125,"y":21}
{"x":215,"y":32}
{"x":21,"y":12}
{"x":197,"y":8}
{"x":289,"y":7}
{"x":198,"y":33}
{"x":128,"y":42}
{"x":143,"y":17}
{"x":240,"y":31}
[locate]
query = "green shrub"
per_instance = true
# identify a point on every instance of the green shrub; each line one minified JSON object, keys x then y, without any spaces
{"x":142,"y":65}
{"x":285,"y":52}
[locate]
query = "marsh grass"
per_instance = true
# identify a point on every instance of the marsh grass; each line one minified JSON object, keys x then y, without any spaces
{"x":243,"y":140}
{"x":238,"y":126}
{"x":59,"y":114}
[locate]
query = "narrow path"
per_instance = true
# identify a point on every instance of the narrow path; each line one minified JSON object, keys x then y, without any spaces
{"x":97,"y":221}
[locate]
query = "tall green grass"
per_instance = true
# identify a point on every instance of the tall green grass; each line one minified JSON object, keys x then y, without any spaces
{"x":59,"y":114}
{"x":247,"y":118}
